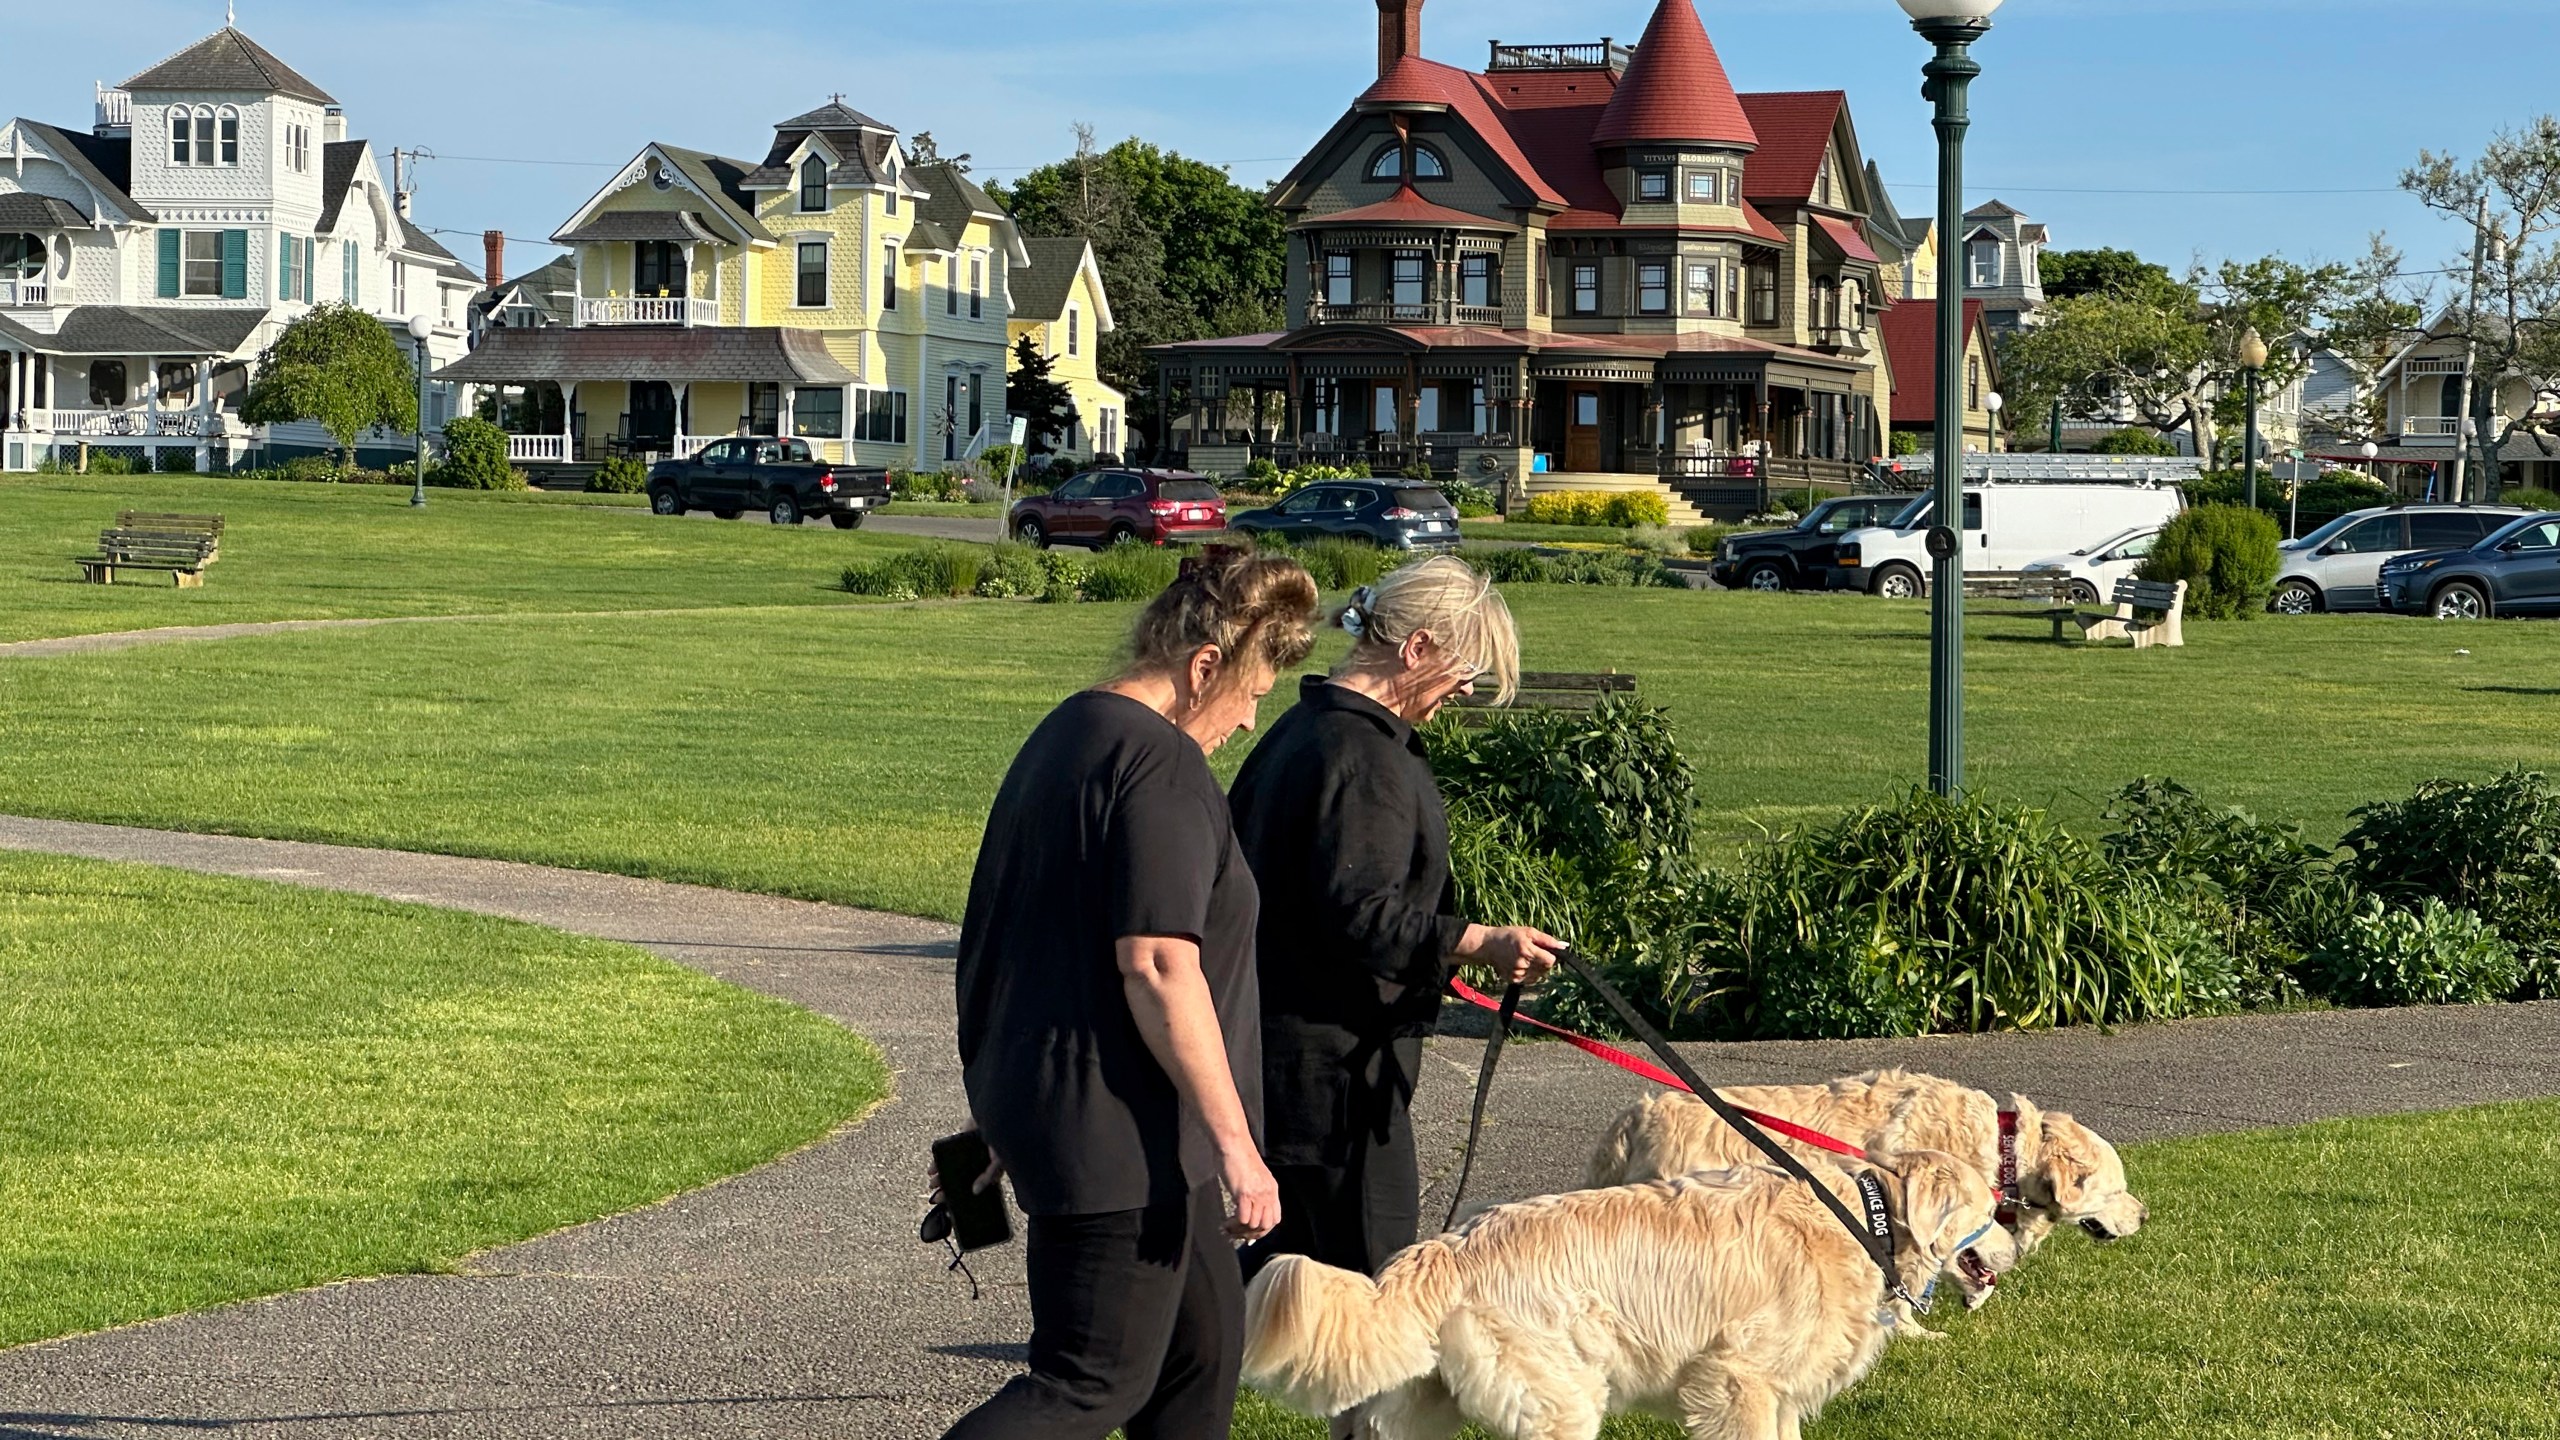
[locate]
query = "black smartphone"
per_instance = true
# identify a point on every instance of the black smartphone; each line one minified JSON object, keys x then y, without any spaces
{"x":978,"y":1218}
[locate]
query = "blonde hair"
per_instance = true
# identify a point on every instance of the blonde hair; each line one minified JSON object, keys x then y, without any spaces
{"x":1253,"y":608}
{"x":1446,"y":599}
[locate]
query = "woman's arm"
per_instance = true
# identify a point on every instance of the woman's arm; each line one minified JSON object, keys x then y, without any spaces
{"x":1169,"y":997}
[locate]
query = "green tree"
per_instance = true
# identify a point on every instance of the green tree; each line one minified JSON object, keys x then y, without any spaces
{"x":2066,"y":273}
{"x":2133,"y":440}
{"x":338,"y":367}
{"x":1033,"y":392}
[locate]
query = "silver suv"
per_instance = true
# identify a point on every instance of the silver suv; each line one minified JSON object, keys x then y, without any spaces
{"x":2338,"y":566}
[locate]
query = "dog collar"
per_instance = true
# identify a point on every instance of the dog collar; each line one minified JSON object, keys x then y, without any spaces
{"x":1880,"y":1225}
{"x":2007,"y":1214}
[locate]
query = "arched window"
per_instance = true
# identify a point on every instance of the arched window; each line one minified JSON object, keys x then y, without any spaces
{"x":204,"y":135}
{"x":1826,"y":303}
{"x":1388,"y":164}
{"x":107,"y":383}
{"x":22,"y":257}
{"x":229,"y":124}
{"x":181,"y":136}
{"x":813,"y":185}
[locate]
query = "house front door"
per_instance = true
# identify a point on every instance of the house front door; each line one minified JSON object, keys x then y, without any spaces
{"x":653,"y":414}
{"x":1582,"y":429}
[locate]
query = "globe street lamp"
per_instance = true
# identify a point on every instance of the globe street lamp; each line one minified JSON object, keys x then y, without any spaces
{"x":1991,"y":406}
{"x":419,"y":328}
{"x":1952,"y":26}
{"x":2253,"y":358}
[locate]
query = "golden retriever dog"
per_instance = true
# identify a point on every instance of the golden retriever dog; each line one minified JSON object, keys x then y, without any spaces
{"x":1729,"y":1301}
{"x":2067,"y":1174}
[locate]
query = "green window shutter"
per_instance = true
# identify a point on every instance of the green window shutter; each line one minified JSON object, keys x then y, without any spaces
{"x":284,"y":267}
{"x":310,"y":257}
{"x":170,"y":241}
{"x":235,"y":264}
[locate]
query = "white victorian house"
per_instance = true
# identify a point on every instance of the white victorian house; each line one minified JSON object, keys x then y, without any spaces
{"x":146,"y":261}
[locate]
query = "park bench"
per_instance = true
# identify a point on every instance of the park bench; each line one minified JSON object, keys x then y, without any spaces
{"x":1544,"y":690}
{"x":2147,"y":612}
{"x":182,"y":545}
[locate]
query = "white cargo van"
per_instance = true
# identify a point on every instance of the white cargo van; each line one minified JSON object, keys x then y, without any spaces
{"x":2006,"y":529}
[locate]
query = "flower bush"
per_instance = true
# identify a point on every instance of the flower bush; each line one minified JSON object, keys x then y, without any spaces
{"x":1618,"y":508}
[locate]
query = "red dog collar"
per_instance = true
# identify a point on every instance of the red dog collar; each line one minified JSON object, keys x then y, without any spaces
{"x":2007,"y":1214}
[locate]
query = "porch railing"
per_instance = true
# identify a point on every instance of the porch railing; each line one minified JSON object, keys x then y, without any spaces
{"x":539,"y":448}
{"x":127,"y":423}
{"x":1388,"y":312}
{"x":2432,"y":427}
{"x":26,"y":292}
{"x":648,"y":310}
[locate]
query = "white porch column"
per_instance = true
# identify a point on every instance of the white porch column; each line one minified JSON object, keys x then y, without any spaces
{"x":568,"y":419}
{"x":790,"y":397}
{"x":684,"y":417}
{"x":920,"y":409}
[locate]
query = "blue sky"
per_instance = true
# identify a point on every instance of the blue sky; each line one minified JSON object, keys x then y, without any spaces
{"x":2080,"y":96}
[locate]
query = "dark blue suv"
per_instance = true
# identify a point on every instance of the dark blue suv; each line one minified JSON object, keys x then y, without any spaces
{"x":2515,"y":571}
{"x":1393,"y":514}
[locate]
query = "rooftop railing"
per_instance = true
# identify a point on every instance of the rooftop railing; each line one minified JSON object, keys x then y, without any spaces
{"x":1607,"y":53}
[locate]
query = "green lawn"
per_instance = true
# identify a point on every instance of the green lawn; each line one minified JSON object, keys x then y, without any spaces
{"x":298,"y":551}
{"x":2372,"y":1278}
{"x":219,"y":1088}
{"x":849,"y":753}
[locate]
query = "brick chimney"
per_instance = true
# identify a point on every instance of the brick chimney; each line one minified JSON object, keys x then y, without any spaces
{"x":493,"y":243}
{"x":1399,"y":32}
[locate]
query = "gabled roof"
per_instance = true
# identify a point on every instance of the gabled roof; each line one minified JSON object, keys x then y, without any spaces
{"x":1472,"y":99}
{"x":1845,"y":234}
{"x":714,"y":177}
{"x":1884,"y":217}
{"x":834,"y":115}
{"x":229,"y":60}
{"x":1795,"y":130}
{"x":546,"y":287}
{"x":1675,"y":88}
{"x":419,"y":242}
{"x":107,"y":165}
{"x":1042,"y":288}
{"x":1406,"y":207}
{"x":1992,"y":210}
{"x":860,"y":145}
{"x":952,"y":199}
{"x":1911,"y":343}
{"x":338,"y":162}
{"x":703,"y":352}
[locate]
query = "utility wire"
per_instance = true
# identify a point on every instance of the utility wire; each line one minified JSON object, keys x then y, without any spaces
{"x":2061,"y":190}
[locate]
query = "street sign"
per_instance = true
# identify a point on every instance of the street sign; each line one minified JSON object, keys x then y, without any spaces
{"x":1021,"y":429}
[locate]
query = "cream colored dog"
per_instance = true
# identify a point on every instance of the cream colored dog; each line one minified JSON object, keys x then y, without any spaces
{"x":2066,"y":1173}
{"x":1730,"y":1301}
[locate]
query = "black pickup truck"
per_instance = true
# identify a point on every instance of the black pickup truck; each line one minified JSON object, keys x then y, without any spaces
{"x":782,"y":477}
{"x":1797,"y":557}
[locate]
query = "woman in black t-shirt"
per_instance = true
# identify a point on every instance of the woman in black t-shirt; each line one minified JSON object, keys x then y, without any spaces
{"x":1110,"y":1034}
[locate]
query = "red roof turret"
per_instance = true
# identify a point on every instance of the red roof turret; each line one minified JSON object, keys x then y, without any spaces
{"x":1675,"y":89}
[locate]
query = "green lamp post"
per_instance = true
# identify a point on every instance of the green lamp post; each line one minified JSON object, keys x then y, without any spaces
{"x":420,"y":327}
{"x":1952,"y":26}
{"x":2253,"y":359}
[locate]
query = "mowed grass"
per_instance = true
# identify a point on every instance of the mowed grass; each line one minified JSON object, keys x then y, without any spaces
{"x":2366,"y":1279}
{"x":302,"y":551}
{"x":218,"y":1089}
{"x":850,"y":754}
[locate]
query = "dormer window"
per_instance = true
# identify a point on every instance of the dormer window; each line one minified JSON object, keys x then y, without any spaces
{"x":1388,"y":164}
{"x":813,"y":185}
{"x":1982,"y":255}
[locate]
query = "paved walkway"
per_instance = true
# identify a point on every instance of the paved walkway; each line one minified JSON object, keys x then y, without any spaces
{"x":792,"y":1301}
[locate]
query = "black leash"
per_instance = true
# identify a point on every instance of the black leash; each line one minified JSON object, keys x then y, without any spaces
{"x":1484,"y":1087}
{"x":1874,"y":1234}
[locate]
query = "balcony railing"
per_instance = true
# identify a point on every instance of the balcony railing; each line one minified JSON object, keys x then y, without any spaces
{"x":648,"y":310}
{"x":1606,"y":52}
{"x":1389,"y":312}
{"x":115,"y":107}
{"x":2446,"y":365}
{"x":26,"y":292}
{"x":2431,"y":427}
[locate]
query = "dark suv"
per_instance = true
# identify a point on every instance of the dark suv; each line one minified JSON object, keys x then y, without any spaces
{"x":1392,"y":514}
{"x":2515,"y":571}
{"x":1798,"y":557}
{"x":781,"y":476}
{"x":1104,"y":507}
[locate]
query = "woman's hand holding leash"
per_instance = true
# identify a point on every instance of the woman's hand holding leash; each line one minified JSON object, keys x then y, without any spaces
{"x":1514,"y":954}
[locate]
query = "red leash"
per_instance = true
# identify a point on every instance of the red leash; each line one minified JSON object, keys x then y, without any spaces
{"x":1637,"y":1065}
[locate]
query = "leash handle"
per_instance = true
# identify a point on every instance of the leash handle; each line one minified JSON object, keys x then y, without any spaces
{"x":1878,"y":1249}
{"x":1484,"y":1086}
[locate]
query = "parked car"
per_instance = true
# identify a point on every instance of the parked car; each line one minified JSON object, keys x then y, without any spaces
{"x":2515,"y":570}
{"x":1104,"y":507}
{"x":2092,"y":571}
{"x":2006,"y":529}
{"x":2337,"y":566}
{"x":1395,"y":515}
{"x":1799,"y":556}
{"x":781,"y":476}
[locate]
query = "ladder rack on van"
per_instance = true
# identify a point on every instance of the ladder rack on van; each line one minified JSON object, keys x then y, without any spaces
{"x":1919,"y":472}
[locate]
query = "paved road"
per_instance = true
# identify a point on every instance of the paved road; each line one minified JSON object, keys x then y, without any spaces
{"x":791,"y":1301}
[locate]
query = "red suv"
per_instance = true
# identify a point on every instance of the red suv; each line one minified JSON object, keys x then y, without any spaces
{"x":1104,"y":507}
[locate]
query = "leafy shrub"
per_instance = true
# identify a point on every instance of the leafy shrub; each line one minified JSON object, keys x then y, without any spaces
{"x":177,"y":460}
{"x":1703,"y":539}
{"x":940,"y":486}
{"x":930,"y":572}
{"x":2436,"y":954}
{"x":2268,"y":894}
{"x":1305,"y":475}
{"x":1621,"y":508}
{"x":311,"y":469}
{"x":1419,"y":470}
{"x":1063,"y":576}
{"x":1261,"y":475}
{"x":1473,"y":501}
{"x":475,"y":457}
{"x":2531,"y":498}
{"x":2491,"y":847}
{"x":1131,"y":571}
{"x":995,"y":460}
{"x":1013,"y":572}
{"x":2133,"y":440}
{"x":2226,"y":554}
{"x":619,"y":475}
{"x":110,"y":464}
{"x":1509,"y":566}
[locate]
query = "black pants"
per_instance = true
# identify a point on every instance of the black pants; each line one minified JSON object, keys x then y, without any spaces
{"x":1356,"y":1212}
{"x":1137,"y":1323}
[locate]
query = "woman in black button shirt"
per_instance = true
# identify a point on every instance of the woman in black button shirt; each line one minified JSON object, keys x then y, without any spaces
{"x":1109,"y":1027}
{"x":1343,"y":824}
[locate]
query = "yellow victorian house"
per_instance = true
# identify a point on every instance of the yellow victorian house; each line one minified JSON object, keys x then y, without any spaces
{"x":832,"y":291}
{"x":1060,"y":304}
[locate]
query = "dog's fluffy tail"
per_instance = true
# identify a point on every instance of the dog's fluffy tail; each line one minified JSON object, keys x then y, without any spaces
{"x":1614,"y":1162}
{"x":1322,"y":1340}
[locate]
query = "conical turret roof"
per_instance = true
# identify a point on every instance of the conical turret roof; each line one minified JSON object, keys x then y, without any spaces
{"x":1675,"y":88}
